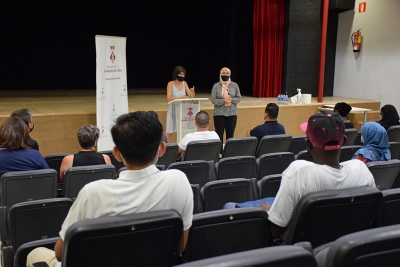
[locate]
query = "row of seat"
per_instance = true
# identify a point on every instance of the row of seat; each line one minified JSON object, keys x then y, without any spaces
{"x":152,"y":238}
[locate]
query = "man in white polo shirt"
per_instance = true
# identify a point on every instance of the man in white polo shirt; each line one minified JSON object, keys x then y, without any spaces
{"x":202,"y":121}
{"x":142,"y":187}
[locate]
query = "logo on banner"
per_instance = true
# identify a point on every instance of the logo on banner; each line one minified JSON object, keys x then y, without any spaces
{"x":113,"y":114}
{"x":102,"y":94}
{"x":124,"y":91}
{"x":102,"y":133}
{"x":190,"y":119}
{"x":112,"y":56}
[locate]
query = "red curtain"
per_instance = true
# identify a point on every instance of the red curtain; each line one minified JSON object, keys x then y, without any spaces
{"x":269,"y":32}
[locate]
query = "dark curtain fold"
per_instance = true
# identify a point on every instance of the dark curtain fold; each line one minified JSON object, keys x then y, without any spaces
{"x":269,"y":32}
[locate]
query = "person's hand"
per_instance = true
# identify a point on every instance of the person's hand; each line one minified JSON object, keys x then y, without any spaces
{"x":228,"y":100}
{"x":183,"y":97}
{"x":191,"y":89}
{"x":265,"y":206}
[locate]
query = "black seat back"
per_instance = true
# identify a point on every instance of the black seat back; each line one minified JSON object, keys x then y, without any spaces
{"x":77,"y":177}
{"x":384,"y":172}
{"x":118,"y":165}
{"x":197,"y":205}
{"x":297,"y":144}
{"x":347,"y":152}
{"x":216,"y":194}
{"x":394,"y":148}
{"x":22,"y":252}
{"x":269,"y":185}
{"x":351,"y":135}
{"x":17,"y":187}
{"x":170,"y":155}
{"x":394,"y":133}
{"x":334,"y":213}
{"x":304,"y":155}
{"x":197,"y":171}
{"x":273,"y":163}
{"x":203,"y":150}
{"x":139,"y":239}
{"x":222,"y":232}
{"x":54,"y":162}
{"x":388,"y":213}
{"x":274,"y":143}
{"x":358,"y":142}
{"x":236,"y":167}
{"x":243,"y":146}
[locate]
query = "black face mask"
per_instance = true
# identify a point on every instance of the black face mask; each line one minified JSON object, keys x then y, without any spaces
{"x":224,"y":78}
{"x":180,"y":78}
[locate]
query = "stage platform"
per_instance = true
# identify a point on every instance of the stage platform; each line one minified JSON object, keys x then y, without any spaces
{"x":58,"y":114}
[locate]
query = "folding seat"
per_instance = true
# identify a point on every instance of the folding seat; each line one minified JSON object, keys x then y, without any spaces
{"x":21,"y":186}
{"x":216,"y":194}
{"x":203,"y":150}
{"x":384,"y":172}
{"x":388,"y":213}
{"x":347,"y":152}
{"x":33,"y":220}
{"x":394,"y":133}
{"x":297,"y":144}
{"x":358,"y":142}
{"x":274,"y":143}
{"x":263,"y":257}
{"x":374,"y":247}
{"x":394,"y":148}
{"x":274,"y":163}
{"x":236,"y":167}
{"x":269,"y":185}
{"x":351,"y":135}
{"x":170,"y":155}
{"x":304,"y":155}
{"x":118,"y":165}
{"x":54,"y":162}
{"x":243,"y":146}
{"x":222,"y":232}
{"x":197,"y":206}
{"x":322,"y":217}
{"x":78,"y":177}
{"x":197,"y":171}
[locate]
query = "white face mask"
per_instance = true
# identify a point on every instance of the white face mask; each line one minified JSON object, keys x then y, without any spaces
{"x":362,"y":139}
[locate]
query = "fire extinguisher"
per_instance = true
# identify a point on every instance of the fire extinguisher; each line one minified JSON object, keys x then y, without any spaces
{"x":356,"y":41}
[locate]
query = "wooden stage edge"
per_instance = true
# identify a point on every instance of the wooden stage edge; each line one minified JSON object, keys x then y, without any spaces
{"x":60,"y":113}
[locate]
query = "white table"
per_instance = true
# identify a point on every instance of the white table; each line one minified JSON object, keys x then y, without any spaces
{"x":353,"y":110}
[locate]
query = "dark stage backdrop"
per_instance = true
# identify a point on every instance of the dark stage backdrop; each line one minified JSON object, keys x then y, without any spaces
{"x":51,"y":44}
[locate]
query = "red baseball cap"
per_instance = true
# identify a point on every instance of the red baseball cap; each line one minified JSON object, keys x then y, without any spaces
{"x":325,"y":130}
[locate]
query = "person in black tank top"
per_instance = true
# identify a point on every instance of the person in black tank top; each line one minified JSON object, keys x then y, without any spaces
{"x":87,"y":138}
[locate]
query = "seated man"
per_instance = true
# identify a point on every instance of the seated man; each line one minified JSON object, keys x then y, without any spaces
{"x":26,"y":116}
{"x":270,"y":126}
{"x":142,"y":187}
{"x":88,"y":135}
{"x":202,"y":121}
{"x":343,"y":110}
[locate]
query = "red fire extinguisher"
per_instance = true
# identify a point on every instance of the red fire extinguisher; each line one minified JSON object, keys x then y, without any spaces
{"x":356,"y":41}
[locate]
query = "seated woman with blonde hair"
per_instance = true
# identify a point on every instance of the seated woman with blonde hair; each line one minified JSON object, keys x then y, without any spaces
{"x":88,"y":136}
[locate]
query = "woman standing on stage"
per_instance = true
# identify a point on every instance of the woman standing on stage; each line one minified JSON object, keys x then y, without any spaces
{"x":176,"y":89}
{"x":225,"y":96}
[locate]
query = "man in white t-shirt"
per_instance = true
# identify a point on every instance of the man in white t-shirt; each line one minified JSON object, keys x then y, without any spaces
{"x":202,"y":121}
{"x":142,"y":187}
{"x":325,"y":136}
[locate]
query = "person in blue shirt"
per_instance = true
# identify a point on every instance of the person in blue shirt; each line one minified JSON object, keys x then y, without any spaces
{"x":270,"y":126}
{"x":15,"y":154}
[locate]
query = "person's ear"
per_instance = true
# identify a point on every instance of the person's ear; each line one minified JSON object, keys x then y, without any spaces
{"x":117,"y":154}
{"x":95,"y":143}
{"x":161,"y":149}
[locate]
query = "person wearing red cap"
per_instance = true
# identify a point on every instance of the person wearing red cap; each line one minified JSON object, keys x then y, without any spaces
{"x":325,"y":136}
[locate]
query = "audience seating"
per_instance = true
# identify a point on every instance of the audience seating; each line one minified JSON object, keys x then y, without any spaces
{"x":203,"y":150}
{"x":304,"y":155}
{"x":394,"y":148}
{"x":118,"y":165}
{"x":17,"y":187}
{"x":347,"y":152}
{"x":322,"y":217}
{"x":222,"y":232}
{"x":243,"y":146}
{"x":389,"y":211}
{"x":216,"y":194}
{"x":54,"y":162}
{"x":374,"y":247}
{"x":197,"y":171}
{"x":351,"y":135}
{"x":170,"y":155}
{"x":384,"y":172}
{"x":273,"y":163}
{"x":236,"y":167}
{"x":77,"y":177}
{"x":274,"y":143}
{"x":269,"y":185}
{"x":33,"y":220}
{"x":297,"y":144}
{"x":394,"y":133}
{"x":263,"y":257}
{"x":358,"y":142}
{"x":197,"y":206}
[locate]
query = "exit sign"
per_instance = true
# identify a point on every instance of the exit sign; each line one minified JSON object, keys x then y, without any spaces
{"x":362,"y":7}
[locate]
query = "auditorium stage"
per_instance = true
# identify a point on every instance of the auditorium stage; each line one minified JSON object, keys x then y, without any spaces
{"x":58,"y":114}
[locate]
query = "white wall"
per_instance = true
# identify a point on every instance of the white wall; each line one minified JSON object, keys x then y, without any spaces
{"x":376,"y":73}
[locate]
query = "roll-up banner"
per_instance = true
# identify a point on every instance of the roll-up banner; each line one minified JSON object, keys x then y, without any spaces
{"x":111,"y":86}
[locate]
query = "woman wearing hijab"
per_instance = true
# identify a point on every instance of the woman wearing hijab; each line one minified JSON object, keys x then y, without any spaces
{"x":376,"y":143}
{"x":225,"y":96}
{"x":389,"y":116}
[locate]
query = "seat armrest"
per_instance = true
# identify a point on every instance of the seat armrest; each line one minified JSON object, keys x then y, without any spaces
{"x":306,"y":245}
{"x":7,"y":259}
{"x":4,"y":224}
